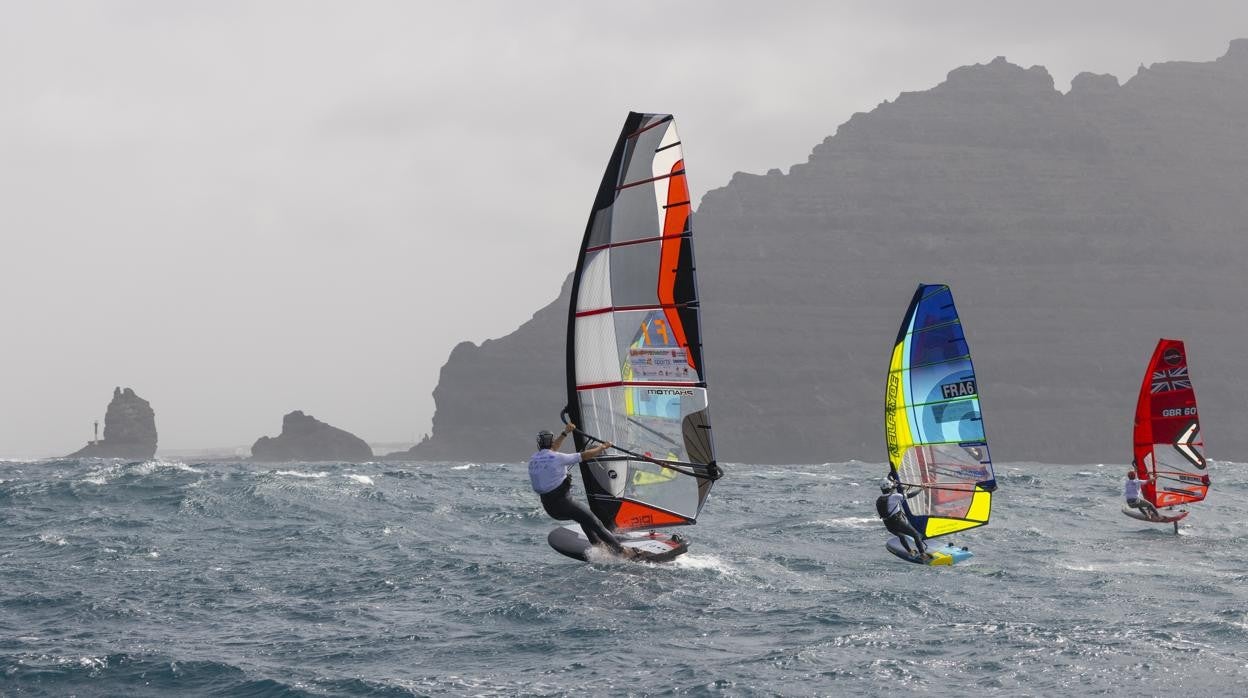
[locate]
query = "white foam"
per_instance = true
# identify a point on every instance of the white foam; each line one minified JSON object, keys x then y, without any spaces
{"x":116,"y":469}
{"x":362,"y":479}
{"x":92,"y":662}
{"x":296,"y":473}
{"x":53,"y":538}
{"x":703,"y":562}
{"x":464,"y":466}
{"x":599,"y":555}
{"x":152,"y":466}
{"x":849,"y":522}
{"x":103,"y":475}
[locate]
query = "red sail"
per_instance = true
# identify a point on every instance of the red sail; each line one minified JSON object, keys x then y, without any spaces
{"x":1168,"y":442}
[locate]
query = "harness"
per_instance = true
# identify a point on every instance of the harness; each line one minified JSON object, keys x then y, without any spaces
{"x":881,"y":508}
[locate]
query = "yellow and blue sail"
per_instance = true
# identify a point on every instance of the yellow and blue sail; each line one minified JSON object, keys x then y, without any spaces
{"x":933,"y":423}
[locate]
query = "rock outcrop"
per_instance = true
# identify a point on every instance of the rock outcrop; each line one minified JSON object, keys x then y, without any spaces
{"x":129,"y":429}
{"x":1074,"y":229}
{"x":305,"y":438}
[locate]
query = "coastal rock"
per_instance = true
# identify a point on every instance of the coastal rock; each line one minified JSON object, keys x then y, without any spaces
{"x":129,"y":429}
{"x":305,"y":438}
{"x":1074,"y":229}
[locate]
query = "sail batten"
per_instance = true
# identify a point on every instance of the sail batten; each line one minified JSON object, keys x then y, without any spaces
{"x":626,"y":243}
{"x":651,"y":179}
{"x":932,"y":419}
{"x":634,"y":353}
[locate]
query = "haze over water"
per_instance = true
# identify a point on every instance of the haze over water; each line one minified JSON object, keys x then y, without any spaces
{"x":168,"y":578}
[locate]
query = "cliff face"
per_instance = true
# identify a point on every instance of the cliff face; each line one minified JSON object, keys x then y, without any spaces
{"x":492,"y":399}
{"x":1074,"y":229}
{"x":305,"y":438}
{"x":129,"y":429}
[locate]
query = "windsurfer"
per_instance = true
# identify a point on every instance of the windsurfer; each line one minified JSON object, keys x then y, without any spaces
{"x":889,"y":505}
{"x":1131,"y":490}
{"x":548,"y":473}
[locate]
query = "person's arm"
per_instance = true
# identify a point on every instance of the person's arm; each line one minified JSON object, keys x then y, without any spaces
{"x":595,"y":451}
{"x":915,"y":493}
{"x":558,"y":442}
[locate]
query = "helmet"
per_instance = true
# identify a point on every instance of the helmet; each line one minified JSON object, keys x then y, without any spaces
{"x":545,"y":439}
{"x":886,"y":486}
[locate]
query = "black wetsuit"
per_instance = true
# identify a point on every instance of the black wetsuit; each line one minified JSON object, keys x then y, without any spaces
{"x":562,"y":507}
{"x":898,"y":524}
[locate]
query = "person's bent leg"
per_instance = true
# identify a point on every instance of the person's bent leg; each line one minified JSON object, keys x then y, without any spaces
{"x":896,"y":528}
{"x":594,"y":530}
{"x":562,"y":507}
{"x":918,"y":539}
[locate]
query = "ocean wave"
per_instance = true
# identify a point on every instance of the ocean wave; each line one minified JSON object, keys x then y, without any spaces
{"x":140,"y":675}
{"x":241,"y":578}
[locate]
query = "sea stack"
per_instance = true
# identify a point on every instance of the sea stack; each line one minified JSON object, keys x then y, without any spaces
{"x":305,"y":438}
{"x":129,"y":429}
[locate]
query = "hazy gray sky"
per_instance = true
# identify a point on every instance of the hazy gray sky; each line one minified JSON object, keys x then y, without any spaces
{"x":245,"y":208}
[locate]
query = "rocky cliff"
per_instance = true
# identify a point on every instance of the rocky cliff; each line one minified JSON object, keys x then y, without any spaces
{"x":129,"y":429}
{"x":305,"y":438}
{"x":1074,"y":229}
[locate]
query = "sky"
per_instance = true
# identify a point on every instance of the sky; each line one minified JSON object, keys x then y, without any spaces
{"x":241,"y":209}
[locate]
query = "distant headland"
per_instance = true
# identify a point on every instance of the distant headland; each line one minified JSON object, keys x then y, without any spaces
{"x":1074,"y":229}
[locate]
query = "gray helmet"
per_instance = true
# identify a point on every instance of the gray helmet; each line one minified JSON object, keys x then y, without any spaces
{"x":887,"y":486}
{"x":545,"y":439}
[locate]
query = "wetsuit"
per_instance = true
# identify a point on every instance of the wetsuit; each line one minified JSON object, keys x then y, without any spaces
{"x":1131,"y":490}
{"x":889,"y":507}
{"x":547,"y":465}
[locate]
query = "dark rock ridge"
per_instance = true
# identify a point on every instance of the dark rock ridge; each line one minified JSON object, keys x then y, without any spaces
{"x":129,"y":429}
{"x":1075,"y":229}
{"x":305,"y":438}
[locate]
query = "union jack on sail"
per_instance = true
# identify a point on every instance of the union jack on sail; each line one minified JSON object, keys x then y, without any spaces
{"x":1171,"y":379}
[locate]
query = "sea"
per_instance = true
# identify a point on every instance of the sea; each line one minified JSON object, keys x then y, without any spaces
{"x":168,"y":578}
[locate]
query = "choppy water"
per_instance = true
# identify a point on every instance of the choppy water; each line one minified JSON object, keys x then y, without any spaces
{"x":431,"y":579}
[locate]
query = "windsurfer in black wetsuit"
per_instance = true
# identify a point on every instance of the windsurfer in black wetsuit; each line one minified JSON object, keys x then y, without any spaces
{"x":548,"y":473}
{"x":889,"y":505}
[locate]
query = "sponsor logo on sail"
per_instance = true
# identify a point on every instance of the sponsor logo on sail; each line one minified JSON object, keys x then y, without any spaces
{"x":669,"y":391}
{"x":890,"y":415}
